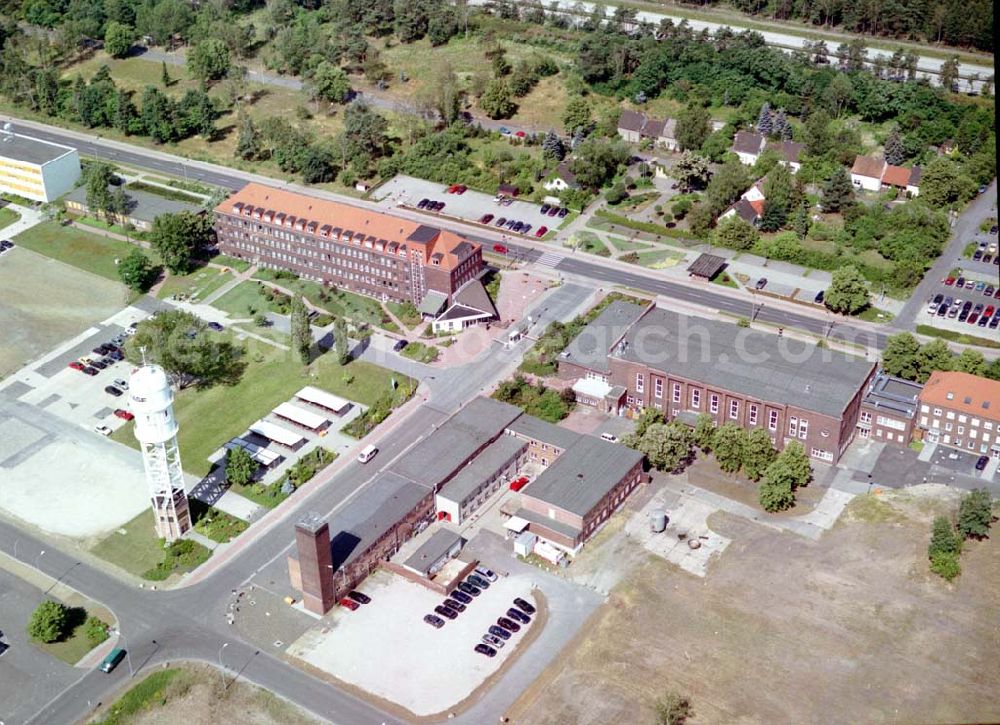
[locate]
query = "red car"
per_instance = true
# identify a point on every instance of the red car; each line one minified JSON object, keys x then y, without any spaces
{"x":76,"y":365}
{"x":520,"y":134}
{"x":349,"y":604}
{"x":124,"y":414}
{"x":499,"y":249}
{"x":452,"y":189}
{"x":988,"y":312}
{"x":461,"y":189}
{"x":519,"y":483}
{"x":541,"y":231}
{"x":949,"y":281}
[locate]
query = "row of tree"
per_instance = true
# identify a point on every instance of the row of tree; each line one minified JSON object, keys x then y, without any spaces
{"x":906,"y":358}
{"x":671,"y":446}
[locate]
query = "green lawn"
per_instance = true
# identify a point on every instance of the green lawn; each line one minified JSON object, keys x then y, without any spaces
{"x":625,"y":245}
{"x":209,"y":418}
{"x":105,"y":226}
{"x":874,"y":314}
{"x":197,"y":285}
{"x":724,"y":280}
{"x":137,"y":550}
{"x":76,"y":247}
{"x":339,"y":303}
{"x":216,"y":525}
{"x":957,"y":336}
{"x":153,"y":691}
{"x":73,"y":648}
{"x":588,"y":242}
{"x":8,"y":217}
{"x":406,"y":312}
{"x":656,"y":259}
{"x":240,"y":265}
{"x":244,"y":300}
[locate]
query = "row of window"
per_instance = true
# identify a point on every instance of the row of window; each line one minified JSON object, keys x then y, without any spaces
{"x":962,"y":418}
{"x":960,"y":429}
{"x":796,"y":427}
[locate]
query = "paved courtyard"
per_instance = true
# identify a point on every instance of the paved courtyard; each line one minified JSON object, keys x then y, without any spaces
{"x":385,"y":648}
{"x":64,"y":479}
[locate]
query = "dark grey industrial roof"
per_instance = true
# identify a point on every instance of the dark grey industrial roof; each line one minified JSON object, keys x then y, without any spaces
{"x":441,"y":453}
{"x":544,"y":431}
{"x":432,"y":550}
{"x":492,"y":459}
{"x":423,"y":234}
{"x":707,"y":266}
{"x":461,"y":249}
{"x":142,"y":205}
{"x":461,"y":312}
{"x":590,"y":347}
{"x":30,"y":150}
{"x":558,"y":526}
{"x":631,"y":120}
{"x":892,"y":393}
{"x":579,"y":478}
{"x":473,"y":294}
{"x":757,"y":364}
{"x":748,"y":142}
{"x":368,"y":516}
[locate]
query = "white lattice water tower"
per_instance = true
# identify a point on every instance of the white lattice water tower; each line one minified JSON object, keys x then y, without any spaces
{"x":151,"y":400}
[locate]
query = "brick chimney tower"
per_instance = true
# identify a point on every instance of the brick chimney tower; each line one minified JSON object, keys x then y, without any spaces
{"x":312,"y":540}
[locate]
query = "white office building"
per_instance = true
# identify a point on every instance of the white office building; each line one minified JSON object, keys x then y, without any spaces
{"x":36,"y":169}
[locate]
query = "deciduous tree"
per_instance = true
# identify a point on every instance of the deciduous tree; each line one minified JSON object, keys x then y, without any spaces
{"x":240,"y":467}
{"x":577,"y":116}
{"x":209,"y":60}
{"x":48,"y":622}
{"x":758,"y":453}
{"x":137,"y":272}
{"x":693,"y":127}
{"x":728,"y":445}
{"x":704,"y":432}
{"x":848,"y":292}
{"x":118,"y":39}
{"x":666,"y":445}
{"x":497,"y":100}
{"x":178,"y":238}
{"x":691,"y":171}
{"x":899,"y":357}
{"x":975,"y":514}
{"x":300,"y":332}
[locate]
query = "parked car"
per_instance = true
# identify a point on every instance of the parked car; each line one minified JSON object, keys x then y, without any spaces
{"x":942,"y":310}
{"x":523,"y":606}
{"x":477,"y":581}
{"x":215,"y":326}
{"x":76,"y":365}
{"x":112,"y":660}
{"x":761,"y":283}
{"x":422,"y":204}
{"x":485,"y":218}
{"x":500,"y":222}
{"x":545,"y":208}
{"x":960,"y":282}
{"x":90,"y":371}
{"x":949,"y":281}
{"x":461,"y":596}
{"x":493,"y":641}
{"x":518,"y":616}
{"x":349,"y":604}
{"x":121,"y":383}
{"x":507,"y":201}
{"x":525,"y":229}
{"x":400,"y":345}
{"x":438,"y":205}
{"x":112,"y":390}
{"x":435,"y":622}
{"x":977,"y":255}
{"x":818,"y":299}
{"x":981,"y":463}
{"x":980,"y":286}
{"x":563,"y":212}
{"x":989,"y":291}
{"x":447,"y":612}
{"x":487,"y":574}
{"x":973,"y":318}
{"x":509,"y":624}
{"x":469,"y":589}
{"x":541,"y":231}
{"x":516,"y":226}
{"x":484,"y":649}
{"x":499,"y":632}
{"x":499,"y":249}
{"x":359,"y":597}
{"x":452,"y":604}
{"x":983,"y":321}
{"x":938,"y":298}
{"x":988,"y":312}
{"x":98,"y":364}
{"x":123,"y":414}
{"x":555,"y":210}
{"x":101,"y":350}
{"x":102,"y":429}
{"x":519,"y":483}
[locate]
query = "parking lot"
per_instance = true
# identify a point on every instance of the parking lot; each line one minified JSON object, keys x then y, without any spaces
{"x":469,"y":206}
{"x":385,"y":648}
{"x":964,"y":308}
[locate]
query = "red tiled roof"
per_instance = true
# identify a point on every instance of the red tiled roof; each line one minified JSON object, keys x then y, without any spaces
{"x":371,"y":224}
{"x":896,"y":176}
{"x":758,"y":206}
{"x":963,"y":392}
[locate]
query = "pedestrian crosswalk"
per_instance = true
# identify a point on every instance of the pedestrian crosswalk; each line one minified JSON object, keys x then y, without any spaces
{"x":549,"y":259}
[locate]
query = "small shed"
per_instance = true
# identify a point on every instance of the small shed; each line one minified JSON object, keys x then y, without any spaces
{"x":706,"y":266}
{"x":508,"y":190}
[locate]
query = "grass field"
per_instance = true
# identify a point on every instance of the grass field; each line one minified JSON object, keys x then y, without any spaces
{"x":588,"y":242}
{"x":339,"y":303}
{"x":194,"y":694}
{"x":240,"y":265}
{"x":659,"y":259}
{"x":137,"y":550}
{"x":243,"y":300}
{"x":197,"y":285}
{"x":625,"y":245}
{"x":73,"y":648}
{"x":8,"y":217}
{"x":420,"y":352}
{"x":89,"y":252}
{"x":209,"y":418}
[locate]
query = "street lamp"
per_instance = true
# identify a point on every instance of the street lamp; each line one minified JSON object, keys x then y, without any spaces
{"x":39,"y":558}
{"x":128,"y":654}
{"x":16,"y":542}
{"x":222,"y":667}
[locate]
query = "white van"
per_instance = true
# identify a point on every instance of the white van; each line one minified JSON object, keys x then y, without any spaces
{"x":609,"y":437}
{"x":367,"y":453}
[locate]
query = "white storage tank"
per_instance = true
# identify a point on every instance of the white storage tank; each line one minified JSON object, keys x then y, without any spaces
{"x":657,"y":521}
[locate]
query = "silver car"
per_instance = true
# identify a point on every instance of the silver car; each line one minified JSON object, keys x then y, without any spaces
{"x":493,"y":641}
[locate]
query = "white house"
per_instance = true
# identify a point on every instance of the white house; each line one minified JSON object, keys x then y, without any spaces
{"x":867,"y":172}
{"x":748,"y":145}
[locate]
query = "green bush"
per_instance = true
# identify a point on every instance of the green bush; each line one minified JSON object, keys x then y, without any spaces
{"x":945,"y":565}
{"x":96,"y":631}
{"x":49,"y":622}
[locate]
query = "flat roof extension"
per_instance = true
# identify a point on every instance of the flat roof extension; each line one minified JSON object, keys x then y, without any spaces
{"x":31,"y":150}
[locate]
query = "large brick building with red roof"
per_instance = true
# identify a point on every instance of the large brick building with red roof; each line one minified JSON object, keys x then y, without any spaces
{"x":356,"y":249}
{"x":962,"y":411}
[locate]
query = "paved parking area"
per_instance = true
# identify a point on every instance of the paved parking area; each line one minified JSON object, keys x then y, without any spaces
{"x":385,"y":648}
{"x":407,"y":191}
{"x":64,"y":479}
{"x":27,"y":675}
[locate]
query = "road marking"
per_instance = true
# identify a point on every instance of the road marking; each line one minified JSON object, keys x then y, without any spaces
{"x":549,"y":259}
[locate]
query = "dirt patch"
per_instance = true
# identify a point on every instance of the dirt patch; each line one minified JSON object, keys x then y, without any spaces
{"x":851,"y":628}
{"x":196,"y":697}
